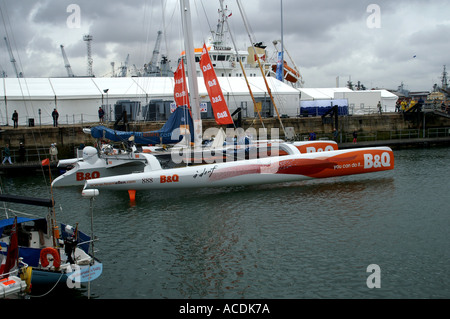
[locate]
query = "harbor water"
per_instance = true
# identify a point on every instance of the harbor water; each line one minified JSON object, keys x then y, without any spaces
{"x":310,"y":239}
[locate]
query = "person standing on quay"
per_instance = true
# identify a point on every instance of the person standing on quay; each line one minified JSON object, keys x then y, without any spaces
{"x":101,"y":114}
{"x":403,"y":105}
{"x":355,"y":137}
{"x":15,"y":118}
{"x":53,"y":153}
{"x":335,"y":135}
{"x":22,"y":153}
{"x":6,"y":154}
{"x":55,"y":116}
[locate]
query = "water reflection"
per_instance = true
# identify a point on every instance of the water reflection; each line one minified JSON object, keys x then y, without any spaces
{"x":309,"y":239}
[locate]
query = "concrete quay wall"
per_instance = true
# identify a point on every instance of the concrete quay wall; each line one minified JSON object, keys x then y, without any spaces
{"x":69,"y":136}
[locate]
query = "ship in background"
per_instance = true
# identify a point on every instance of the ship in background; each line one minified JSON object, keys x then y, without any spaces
{"x":226,"y":59}
{"x":231,"y":62}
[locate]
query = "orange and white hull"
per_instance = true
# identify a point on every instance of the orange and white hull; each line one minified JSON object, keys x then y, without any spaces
{"x":266,"y":170}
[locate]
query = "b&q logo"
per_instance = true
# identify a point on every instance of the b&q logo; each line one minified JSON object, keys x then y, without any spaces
{"x":377,"y":161}
{"x":80,"y":176}
{"x":169,"y":179}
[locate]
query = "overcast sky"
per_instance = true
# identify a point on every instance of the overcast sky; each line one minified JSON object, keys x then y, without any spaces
{"x":380,"y":43}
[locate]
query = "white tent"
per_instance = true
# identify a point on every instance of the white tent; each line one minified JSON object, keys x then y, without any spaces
{"x":312,"y":94}
{"x":78,"y":99}
{"x":388,"y":100}
{"x":366,"y":102}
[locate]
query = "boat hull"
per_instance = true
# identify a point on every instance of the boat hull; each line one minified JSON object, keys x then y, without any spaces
{"x":70,"y":276}
{"x":256,"y":171}
{"x":107,"y":166}
{"x":51,"y":265}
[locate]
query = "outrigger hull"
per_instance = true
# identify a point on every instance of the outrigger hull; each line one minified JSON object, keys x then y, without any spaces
{"x":255,"y":171}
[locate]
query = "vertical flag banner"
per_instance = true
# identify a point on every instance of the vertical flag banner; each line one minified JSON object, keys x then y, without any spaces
{"x":220,"y":108}
{"x":280,"y":70}
{"x":180,"y":89}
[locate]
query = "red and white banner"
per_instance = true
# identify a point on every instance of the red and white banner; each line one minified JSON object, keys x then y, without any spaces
{"x":180,"y":89}
{"x":220,"y":108}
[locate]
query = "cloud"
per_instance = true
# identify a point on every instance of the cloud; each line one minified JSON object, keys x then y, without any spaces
{"x":327,"y":39}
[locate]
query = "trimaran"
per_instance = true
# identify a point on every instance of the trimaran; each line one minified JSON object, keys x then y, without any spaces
{"x":106,"y":160}
{"x":293,"y":166}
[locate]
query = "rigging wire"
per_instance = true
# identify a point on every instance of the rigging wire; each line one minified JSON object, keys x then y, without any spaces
{"x":254,"y":50}
{"x":215,"y":61}
{"x":242,"y":67}
{"x":23,"y":86}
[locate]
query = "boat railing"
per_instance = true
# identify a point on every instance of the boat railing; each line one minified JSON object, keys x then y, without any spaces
{"x":87,"y":241}
{"x":15,"y":271}
{"x":362,"y":137}
{"x":31,"y":154}
{"x":404,"y":134}
{"x":346,"y":137}
{"x":438,"y":132}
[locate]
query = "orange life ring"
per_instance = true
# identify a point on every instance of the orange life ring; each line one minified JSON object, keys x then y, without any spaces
{"x":52,"y":251}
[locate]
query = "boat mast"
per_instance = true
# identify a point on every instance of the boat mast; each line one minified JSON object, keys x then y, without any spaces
{"x":240,"y":63}
{"x":260,"y":67}
{"x":282,"y":43}
{"x":191,"y":70}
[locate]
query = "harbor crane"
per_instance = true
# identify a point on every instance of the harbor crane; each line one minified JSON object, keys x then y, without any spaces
{"x":12,"y":59}
{"x":151,"y":67}
{"x":66,"y":63}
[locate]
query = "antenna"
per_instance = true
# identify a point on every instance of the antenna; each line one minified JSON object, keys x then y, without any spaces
{"x":88,"y":38}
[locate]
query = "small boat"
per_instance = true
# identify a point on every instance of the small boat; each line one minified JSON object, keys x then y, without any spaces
{"x":16,"y":283}
{"x":15,"y":275}
{"x":55,"y":256}
{"x":290,"y":74}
